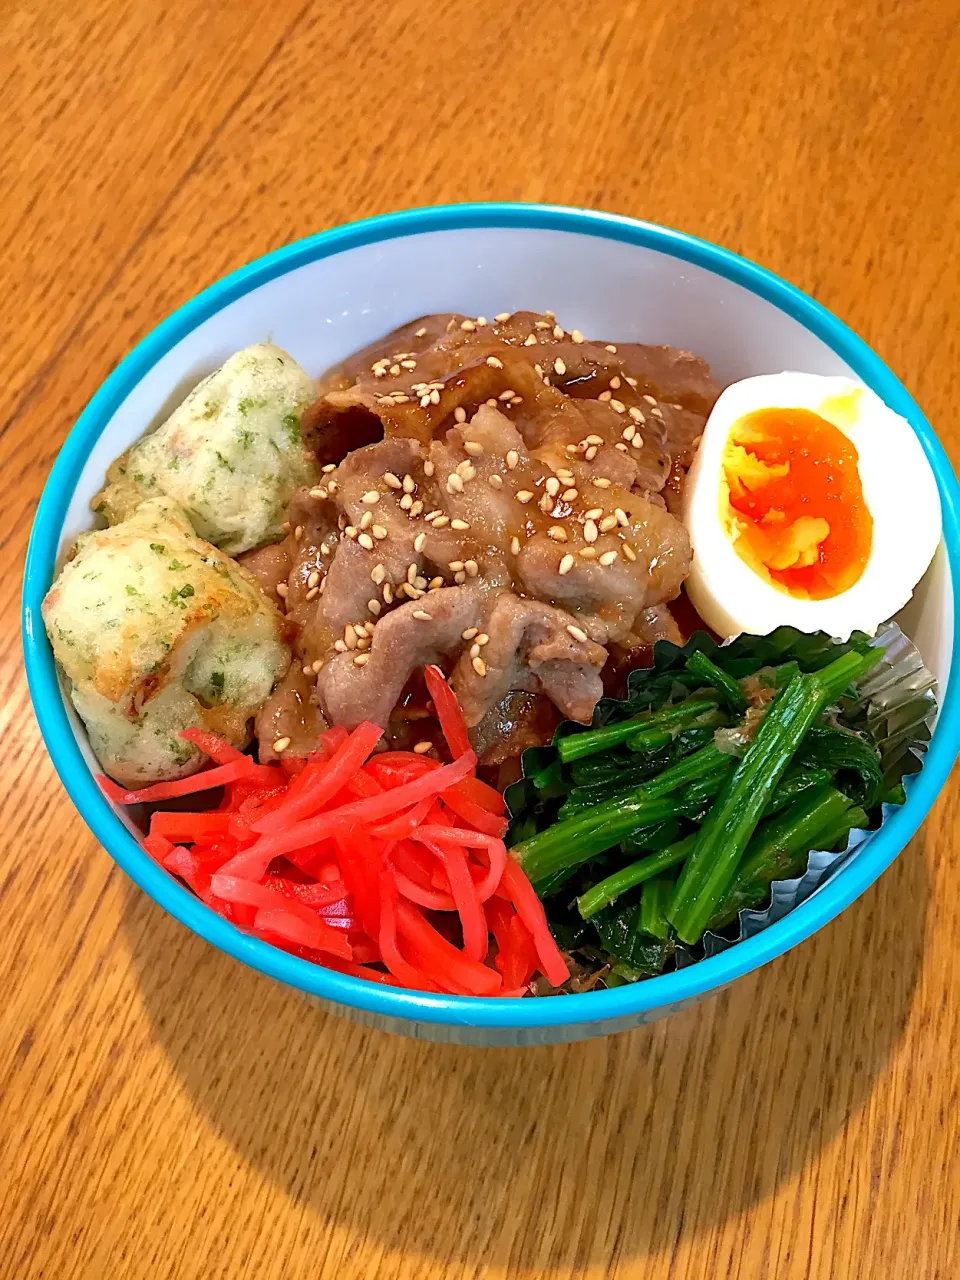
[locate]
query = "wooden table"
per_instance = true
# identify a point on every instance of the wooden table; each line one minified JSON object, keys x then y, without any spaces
{"x":166,"y":1113}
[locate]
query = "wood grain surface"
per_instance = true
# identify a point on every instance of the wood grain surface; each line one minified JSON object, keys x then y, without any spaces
{"x":166,"y":1113}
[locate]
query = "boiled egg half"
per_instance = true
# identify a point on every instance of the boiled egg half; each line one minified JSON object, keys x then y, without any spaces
{"x":810,"y":504}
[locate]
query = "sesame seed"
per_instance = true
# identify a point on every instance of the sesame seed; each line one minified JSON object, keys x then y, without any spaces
{"x":469,"y":633}
{"x":539,"y":370}
{"x":425,"y":401}
{"x":459,"y":414}
{"x":281,"y":590}
{"x":467,"y":325}
{"x":434,"y":396}
{"x":618,"y":406}
{"x":593,"y":514}
{"x":454,"y":483}
{"x":360,"y":630}
{"x":614,"y":384}
{"x":312,"y":593}
{"x":479,"y":666}
{"x":406,"y":503}
{"x":421,"y":748}
{"x":629,"y":431}
{"x":281,"y":744}
{"x":557,"y":533}
{"x":507,"y":395}
{"x":483,"y":638}
{"x":350,"y":531}
{"x":378,"y":573}
{"x":621,"y":517}
{"x":323,"y":585}
{"x":605,"y":396}
{"x":558,"y":332}
{"x":422,"y":615}
{"x":298,"y":532}
{"x":631,"y":382}
{"x":460,"y":578}
{"x":637,"y":442}
{"x":374,"y":607}
{"x":569,"y":495}
{"x":657,"y":413}
{"x":515,"y":546}
{"x":435,"y":584}
{"x":608,"y":523}
{"x":408,"y":364}
{"x":441,"y":522}
{"x":621,"y":446}
{"x":677,"y":406}
{"x":494,"y":363}
{"x":387,"y":593}
{"x":559,"y":366}
{"x":460,"y":525}
{"x":366,"y":520}
{"x":590,"y":531}
{"x":523,"y":495}
{"x":501,"y":316}
{"x":379,"y":373}
{"x":629,"y":552}
{"x":543,"y":324}
{"x":546,"y":504}
{"x":610,"y":347}
{"x":332,"y":487}
{"x":650,"y":399}
{"x":361,"y":659}
{"x":474,"y":651}
{"x":365,"y":541}
{"x":340,"y":646}
{"x":591,"y":453}
{"x":307,"y":670}
{"x":481,"y":321}
{"x":495,"y":481}
{"x":466,"y":471}
{"x":608,"y":558}
{"x":328,"y":467}
{"x":566,"y":564}
{"x":412,"y":570}
{"x":492,"y":402}
{"x":588,"y":553}
{"x":513,"y":459}
{"x":421,"y":333}
{"x":432,"y":515}
{"x":572,"y":448}
{"x":636,"y":415}
{"x":394,"y":369}
{"x":416,"y":508}
{"x":454,"y":565}
{"x":471,"y":567}
{"x":314,"y":579}
{"x":577,"y":633}
{"x":576,"y":335}
{"x":530,"y":340}
{"x":419,"y":542}
{"x":428,"y":468}
{"x":552,"y":486}
{"x":409,"y":484}
{"x":318,"y":493}
{"x":601,"y":482}
{"x":349,"y":637}
{"x":317,"y":665}
{"x":392,"y":481}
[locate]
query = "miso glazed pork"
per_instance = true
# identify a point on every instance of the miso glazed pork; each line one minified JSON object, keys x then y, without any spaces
{"x":497,"y":497}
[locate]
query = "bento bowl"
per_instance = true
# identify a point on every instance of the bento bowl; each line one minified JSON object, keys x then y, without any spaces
{"x":323,"y":298}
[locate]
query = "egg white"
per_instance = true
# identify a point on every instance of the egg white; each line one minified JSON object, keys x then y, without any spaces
{"x":899,"y":489}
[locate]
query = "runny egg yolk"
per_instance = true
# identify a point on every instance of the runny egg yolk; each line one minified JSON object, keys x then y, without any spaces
{"x":796,"y":513}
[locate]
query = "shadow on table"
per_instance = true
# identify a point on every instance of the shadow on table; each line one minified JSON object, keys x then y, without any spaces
{"x":552,"y":1157}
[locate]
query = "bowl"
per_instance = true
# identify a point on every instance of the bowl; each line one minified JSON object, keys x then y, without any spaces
{"x":322,"y":298}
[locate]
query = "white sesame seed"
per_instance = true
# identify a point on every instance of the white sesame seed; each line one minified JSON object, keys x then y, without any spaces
{"x":421,"y":333}
{"x":428,"y":468}
{"x":513,"y":459}
{"x":502,"y":315}
{"x":608,"y":558}
{"x":629,"y":431}
{"x":350,"y":531}
{"x":328,"y":467}
{"x":466,"y":471}
{"x":650,"y":399}
{"x":412,"y":570}
{"x":317,"y":665}
{"x":378,"y":573}
{"x":471,"y":567}
{"x":559,"y":366}
{"x":281,"y":744}
{"x":474,"y":651}
{"x":608,"y":523}
{"x":577,"y":633}
{"x":618,"y":406}
{"x":605,"y":397}
{"x":515,"y":546}
{"x":425,"y":401}
{"x":441,"y":522}
{"x":380,"y":373}
{"x":494,"y":363}
{"x":621,"y":517}
{"x":467,"y":325}
{"x":416,"y":508}
{"x":495,"y":481}
{"x":366,"y":520}
{"x":360,"y":628}
{"x":387,"y":593}
{"x":392,"y":481}
{"x":406,"y":503}
{"x":323,"y":585}
{"x":435,"y":584}
{"x":307,"y":670}
{"x":569,"y":495}
{"x":566,"y":564}
{"x":637,"y":442}
{"x":614,"y":384}
{"x":593,"y":514}
{"x":422,"y":615}
{"x":481,"y":321}
{"x":365,"y":541}
{"x":434,"y":396}
{"x":530,"y":340}
{"x":460,"y":525}
{"x":479,"y":666}
{"x":635,"y":414}
{"x":314,"y":579}
{"x":523,"y":495}
{"x":298,"y":532}
{"x":552,"y":486}
{"x":590,"y":531}
{"x":601,"y":482}
{"x":621,"y":446}
{"x":610,"y":347}
{"x":460,"y":578}
{"x":374,"y":607}
{"x":332,"y":487}
{"x":557,"y":533}
{"x":318,"y":493}
{"x":409,"y":484}
{"x":340,"y":646}
{"x":591,"y":453}
{"x":546,"y":504}
{"x":629,"y":552}
{"x":361,"y":659}
{"x":281,"y":590}
{"x":588,"y":553}
{"x":543,"y":324}
{"x":421,"y":748}
{"x":454,"y":565}
{"x":419,"y":542}
{"x":349,"y":637}
{"x":469,"y":633}
{"x":492,"y":402}
{"x":576,"y":335}
{"x":408,"y":364}
{"x":657,"y":413}
{"x":558,"y":332}
{"x":459,"y":414}
{"x":454,"y":483}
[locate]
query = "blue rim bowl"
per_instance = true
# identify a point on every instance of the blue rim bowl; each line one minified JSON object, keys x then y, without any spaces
{"x":454,"y":1017}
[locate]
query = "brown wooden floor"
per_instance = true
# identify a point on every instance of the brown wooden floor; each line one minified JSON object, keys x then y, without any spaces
{"x":165,"y":1113}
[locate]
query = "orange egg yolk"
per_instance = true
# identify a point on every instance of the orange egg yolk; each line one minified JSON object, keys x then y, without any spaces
{"x":796,"y":511}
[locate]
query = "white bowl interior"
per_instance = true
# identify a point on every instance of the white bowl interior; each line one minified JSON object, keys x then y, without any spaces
{"x":323,"y":311}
